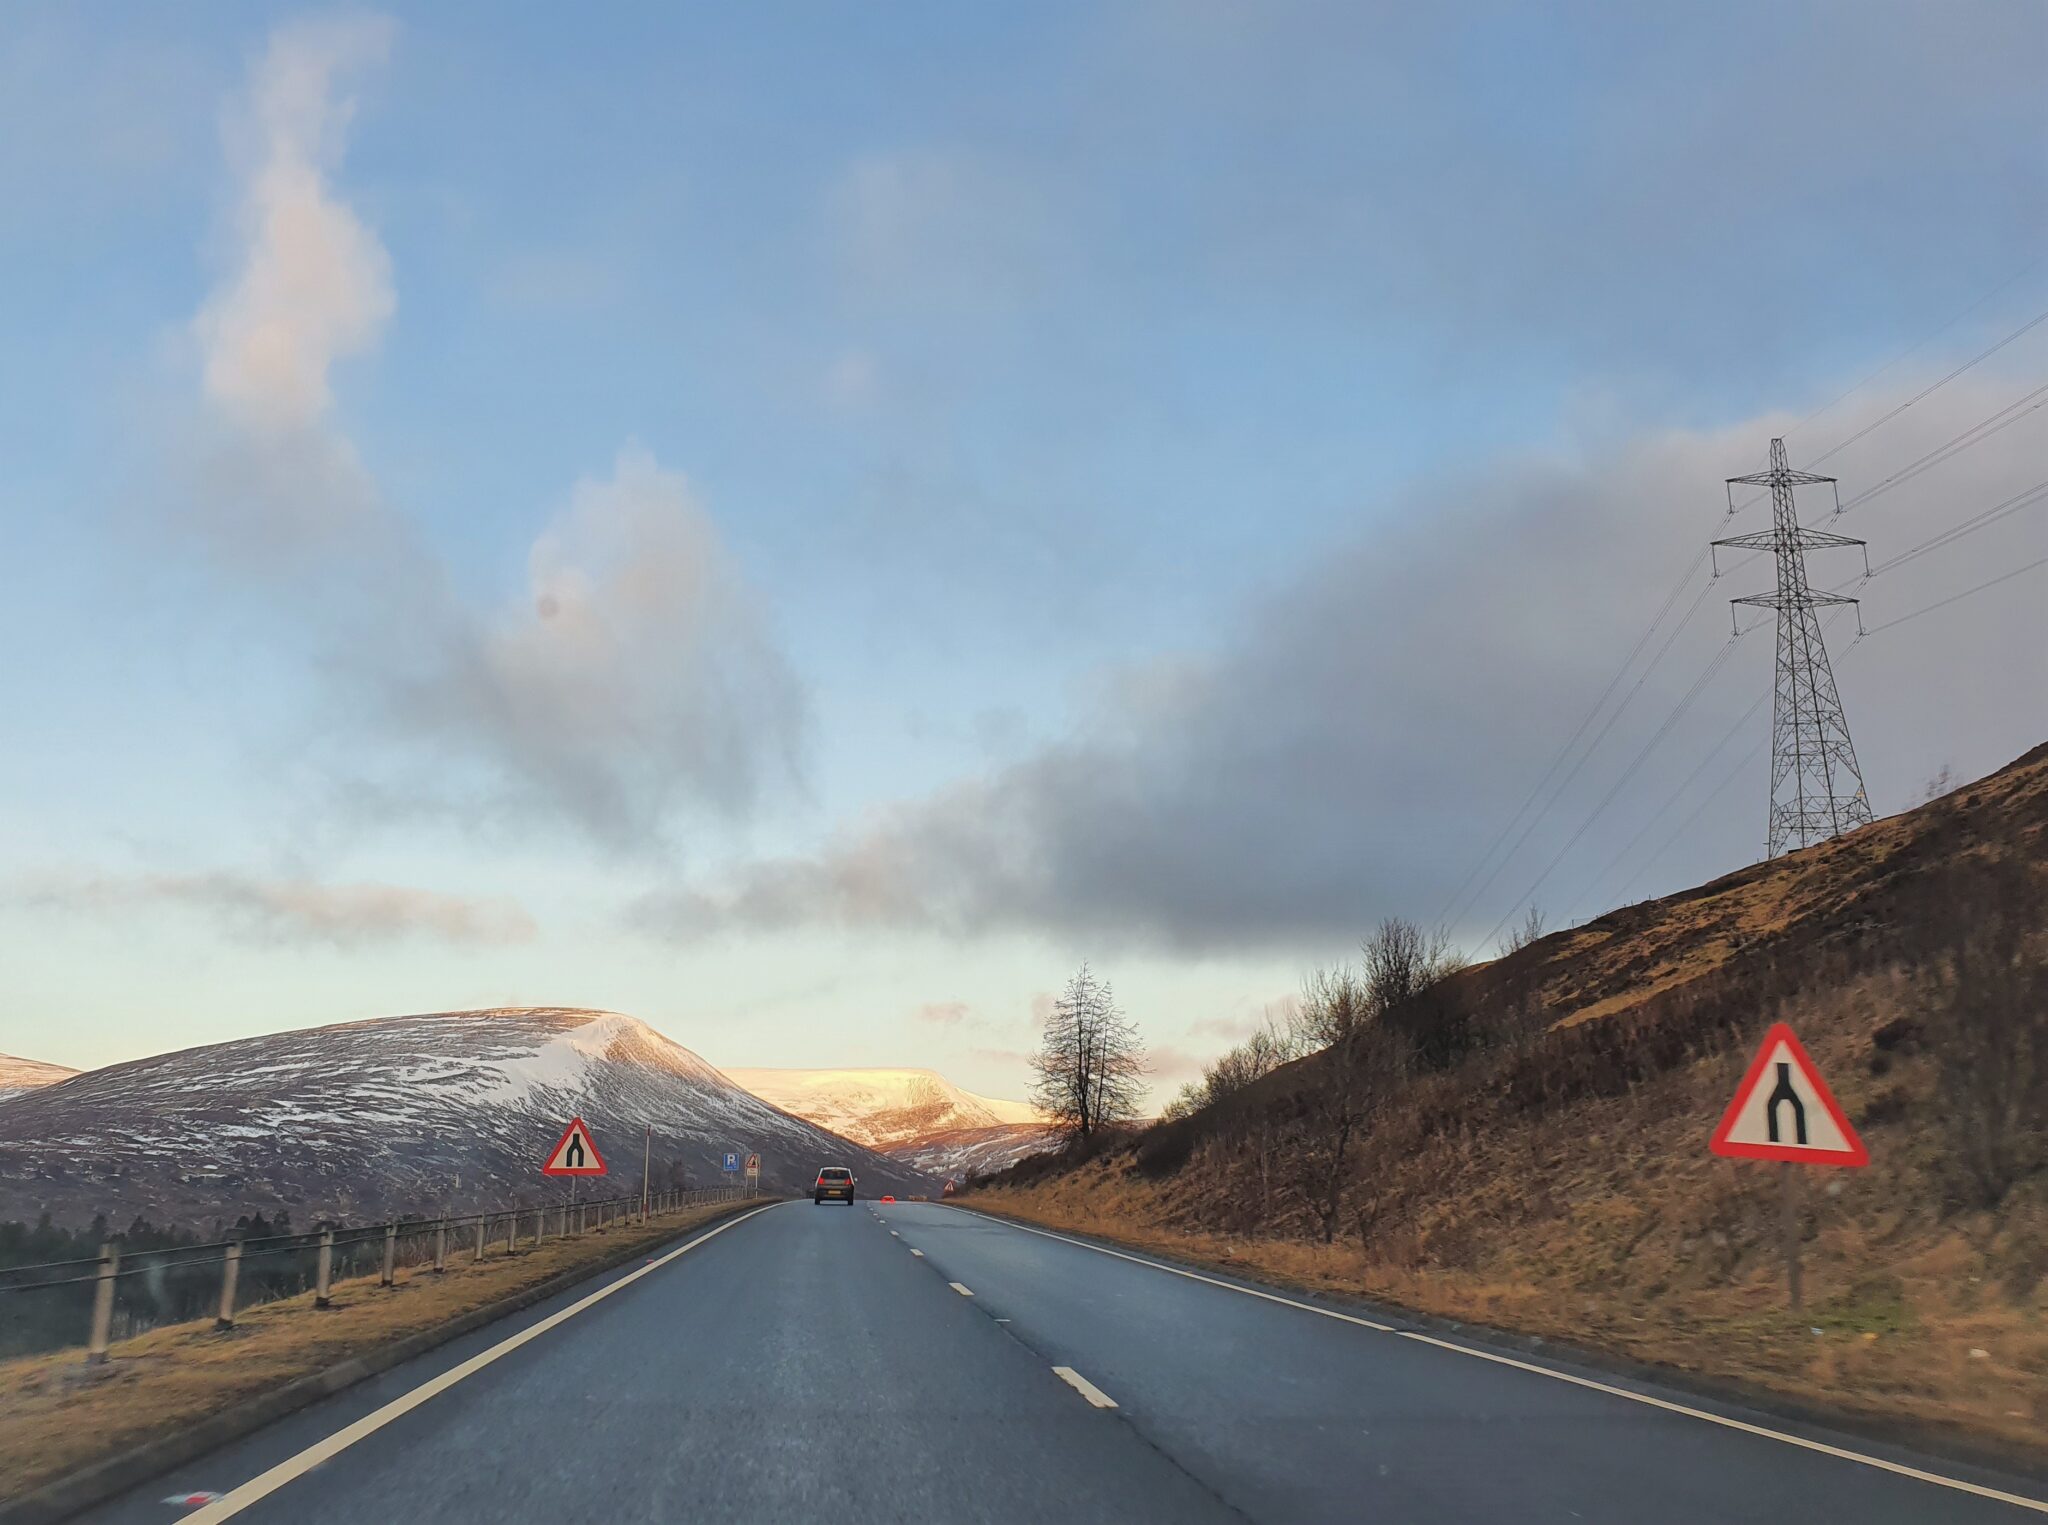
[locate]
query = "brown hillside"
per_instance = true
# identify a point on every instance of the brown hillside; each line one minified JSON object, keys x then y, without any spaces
{"x":1556,"y":1180}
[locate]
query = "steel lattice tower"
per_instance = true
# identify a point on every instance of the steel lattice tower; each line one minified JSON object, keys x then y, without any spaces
{"x":1816,"y":787}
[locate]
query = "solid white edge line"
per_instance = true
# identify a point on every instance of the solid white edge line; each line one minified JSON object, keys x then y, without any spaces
{"x":1084,"y":1387}
{"x":2038,"y":1506}
{"x":266,"y":1483}
{"x":960,"y":1289}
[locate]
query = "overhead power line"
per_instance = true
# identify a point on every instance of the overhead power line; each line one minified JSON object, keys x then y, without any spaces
{"x":2028,"y":269}
{"x":1677,"y":794}
{"x":1990,"y":516}
{"x":1966,"y":366}
{"x":1677,"y":712}
{"x":1460,"y":904}
{"x":2032,"y":323}
{"x":1943,"y":603}
{"x":1976,"y":434}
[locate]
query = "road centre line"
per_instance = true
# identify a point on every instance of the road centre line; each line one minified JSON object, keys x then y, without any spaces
{"x":1084,"y":1387}
{"x":266,"y":1483}
{"x":918,"y":1253}
{"x":2038,"y":1506}
{"x":960,"y":1289}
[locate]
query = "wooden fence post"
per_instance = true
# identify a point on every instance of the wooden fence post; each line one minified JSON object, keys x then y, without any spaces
{"x":323,"y":1276}
{"x":103,"y":1303}
{"x":230,"y":1271}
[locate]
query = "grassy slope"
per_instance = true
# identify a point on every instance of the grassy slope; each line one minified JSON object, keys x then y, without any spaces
{"x":58,"y":1414}
{"x":1559,"y":1182}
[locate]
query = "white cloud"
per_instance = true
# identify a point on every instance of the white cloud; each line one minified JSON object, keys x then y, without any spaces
{"x":636,"y":677}
{"x":300,"y":910}
{"x":312,"y":282}
{"x":638,"y":672}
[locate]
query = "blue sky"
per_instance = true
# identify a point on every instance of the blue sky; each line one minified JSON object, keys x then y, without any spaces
{"x":804,"y":526}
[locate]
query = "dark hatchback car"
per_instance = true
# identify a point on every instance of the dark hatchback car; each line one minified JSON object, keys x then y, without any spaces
{"x":835,"y":1184}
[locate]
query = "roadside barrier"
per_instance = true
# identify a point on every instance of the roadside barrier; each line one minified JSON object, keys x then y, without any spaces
{"x":119,"y":1294}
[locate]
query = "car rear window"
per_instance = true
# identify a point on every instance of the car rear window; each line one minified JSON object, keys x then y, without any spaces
{"x":836,"y":1175}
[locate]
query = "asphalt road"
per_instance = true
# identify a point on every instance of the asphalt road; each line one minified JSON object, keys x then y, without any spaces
{"x":803,"y":1364}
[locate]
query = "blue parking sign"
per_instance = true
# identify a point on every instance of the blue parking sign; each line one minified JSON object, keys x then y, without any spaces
{"x":732,"y":1161}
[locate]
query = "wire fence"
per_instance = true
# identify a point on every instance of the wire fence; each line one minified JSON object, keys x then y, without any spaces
{"x":61,"y":1304}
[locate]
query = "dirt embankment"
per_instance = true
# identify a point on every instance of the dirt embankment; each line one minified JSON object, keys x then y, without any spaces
{"x":1553,"y":1177}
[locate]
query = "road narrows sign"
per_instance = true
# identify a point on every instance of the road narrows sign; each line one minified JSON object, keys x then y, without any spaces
{"x":1783,"y":1110}
{"x":575,"y":1153}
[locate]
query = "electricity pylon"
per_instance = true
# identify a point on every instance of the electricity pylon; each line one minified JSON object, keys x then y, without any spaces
{"x":1816,"y":787}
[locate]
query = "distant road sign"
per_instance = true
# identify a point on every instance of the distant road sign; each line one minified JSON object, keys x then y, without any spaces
{"x":753,"y":1165}
{"x":732,"y":1161}
{"x":1783,"y":1110}
{"x":575,"y":1153}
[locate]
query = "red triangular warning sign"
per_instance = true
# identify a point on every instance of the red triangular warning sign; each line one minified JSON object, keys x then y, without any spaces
{"x":575,"y":1153}
{"x":1783,"y":1110}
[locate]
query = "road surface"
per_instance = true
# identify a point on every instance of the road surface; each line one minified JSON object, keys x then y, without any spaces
{"x":917,"y":1362}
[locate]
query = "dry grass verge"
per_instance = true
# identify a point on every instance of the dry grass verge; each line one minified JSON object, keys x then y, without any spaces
{"x":58,"y":1414}
{"x":1923,"y":1343}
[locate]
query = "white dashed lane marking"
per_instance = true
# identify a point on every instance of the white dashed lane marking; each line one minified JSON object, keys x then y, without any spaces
{"x":1084,"y":1387}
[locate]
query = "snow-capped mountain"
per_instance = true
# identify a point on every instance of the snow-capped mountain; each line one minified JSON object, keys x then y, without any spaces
{"x":880,"y":1108}
{"x":18,"y":1075}
{"x":398,"y":1114}
{"x":963,"y":1152}
{"x":918,"y":1118}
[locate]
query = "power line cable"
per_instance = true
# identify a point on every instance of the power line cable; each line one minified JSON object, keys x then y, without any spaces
{"x":1966,"y":366}
{"x":1943,"y":603}
{"x":1677,"y":794}
{"x":1594,"y":745}
{"x":1976,"y":434}
{"x":2028,"y":269}
{"x":1968,"y":527}
{"x":1706,"y":675}
{"x":2031,"y":323}
{"x":1564,"y":752}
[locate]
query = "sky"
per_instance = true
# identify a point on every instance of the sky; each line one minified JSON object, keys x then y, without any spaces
{"x":806,"y":525}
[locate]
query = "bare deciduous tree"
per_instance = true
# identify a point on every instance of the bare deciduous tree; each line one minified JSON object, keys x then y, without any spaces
{"x":1403,"y":972}
{"x":1090,"y":1066}
{"x":1364,"y":1061}
{"x":1524,"y":932}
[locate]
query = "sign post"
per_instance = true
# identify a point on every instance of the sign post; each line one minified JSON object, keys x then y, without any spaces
{"x":646,"y":1158}
{"x":1784,"y":1111}
{"x":753,"y":1173}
